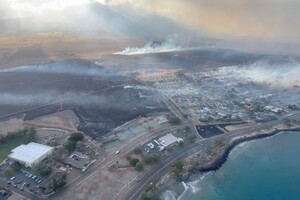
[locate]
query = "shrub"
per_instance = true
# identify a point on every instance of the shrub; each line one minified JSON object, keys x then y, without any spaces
{"x":139,"y":166}
{"x":133,"y":162}
{"x":70,"y":145}
{"x":137,"y":150}
{"x":76,"y":137}
{"x":149,"y":160}
{"x":45,"y":171}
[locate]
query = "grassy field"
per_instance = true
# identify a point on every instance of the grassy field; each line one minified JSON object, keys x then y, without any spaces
{"x":11,"y":144}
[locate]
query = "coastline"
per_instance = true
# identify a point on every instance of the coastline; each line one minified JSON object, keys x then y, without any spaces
{"x":179,"y":188}
{"x":222,"y":158}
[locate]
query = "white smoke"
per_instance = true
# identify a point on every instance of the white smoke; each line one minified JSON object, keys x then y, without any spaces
{"x":170,"y":44}
{"x":52,"y":97}
{"x":277,"y":75}
{"x":66,"y":67}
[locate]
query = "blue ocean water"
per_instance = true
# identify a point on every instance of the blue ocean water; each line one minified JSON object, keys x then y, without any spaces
{"x":267,"y":169}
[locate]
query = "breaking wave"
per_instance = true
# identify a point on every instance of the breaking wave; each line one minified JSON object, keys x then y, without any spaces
{"x":169,"y":195}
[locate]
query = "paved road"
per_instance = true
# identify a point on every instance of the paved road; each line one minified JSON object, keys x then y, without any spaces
{"x":159,"y":170}
{"x":110,"y":159}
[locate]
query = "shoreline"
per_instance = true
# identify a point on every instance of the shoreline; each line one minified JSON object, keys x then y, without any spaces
{"x":223,"y":157}
{"x":218,"y":162}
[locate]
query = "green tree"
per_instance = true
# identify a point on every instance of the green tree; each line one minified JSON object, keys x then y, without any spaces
{"x":178,"y":166}
{"x":133,"y":161}
{"x":45,"y":171}
{"x":76,"y":137}
{"x":174,"y":120}
{"x":139,"y":166}
{"x":70,"y":145}
{"x":56,"y":184}
{"x":137,"y":150}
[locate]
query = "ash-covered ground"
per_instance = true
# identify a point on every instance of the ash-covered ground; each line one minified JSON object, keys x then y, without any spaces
{"x":104,"y":92}
{"x":98,"y":96}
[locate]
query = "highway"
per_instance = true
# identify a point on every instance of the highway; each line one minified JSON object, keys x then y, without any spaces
{"x":157,"y":171}
{"x":112,"y":158}
{"x":163,"y":167}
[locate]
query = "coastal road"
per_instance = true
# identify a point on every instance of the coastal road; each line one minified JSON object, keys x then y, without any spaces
{"x":163,"y":167}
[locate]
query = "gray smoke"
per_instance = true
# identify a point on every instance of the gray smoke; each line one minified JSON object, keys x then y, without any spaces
{"x":75,"y":67}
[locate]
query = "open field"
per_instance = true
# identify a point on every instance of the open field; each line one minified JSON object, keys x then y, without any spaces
{"x":11,"y":125}
{"x":65,"y":120}
{"x":9,"y":145}
{"x":105,"y":184}
{"x":44,"y":47}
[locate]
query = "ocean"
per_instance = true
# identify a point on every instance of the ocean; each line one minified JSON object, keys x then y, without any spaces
{"x":266,"y":169}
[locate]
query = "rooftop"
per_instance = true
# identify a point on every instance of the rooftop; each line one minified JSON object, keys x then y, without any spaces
{"x":168,"y":139}
{"x":29,"y":152}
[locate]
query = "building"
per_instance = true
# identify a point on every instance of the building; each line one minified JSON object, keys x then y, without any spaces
{"x":30,"y":154}
{"x":169,"y":140}
{"x":78,"y":160}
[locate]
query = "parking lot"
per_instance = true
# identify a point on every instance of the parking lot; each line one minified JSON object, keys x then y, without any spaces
{"x":208,"y":131}
{"x":4,"y":194}
{"x":25,"y":181}
{"x":159,"y":144}
{"x":152,"y":146}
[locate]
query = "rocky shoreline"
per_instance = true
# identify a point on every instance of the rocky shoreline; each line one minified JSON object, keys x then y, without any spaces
{"x":217,"y":163}
{"x":222,"y":158}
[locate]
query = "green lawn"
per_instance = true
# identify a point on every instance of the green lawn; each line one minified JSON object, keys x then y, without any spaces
{"x":11,"y":144}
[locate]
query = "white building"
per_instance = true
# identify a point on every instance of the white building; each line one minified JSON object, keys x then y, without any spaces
{"x":30,"y":154}
{"x":168,"y":140}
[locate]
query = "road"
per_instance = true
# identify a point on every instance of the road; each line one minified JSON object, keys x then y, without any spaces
{"x":110,"y":159}
{"x":162,"y":168}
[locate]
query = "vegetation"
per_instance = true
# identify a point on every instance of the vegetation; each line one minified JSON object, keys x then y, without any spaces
{"x":293,"y":107}
{"x":137,"y":151}
{"x":14,"y":139}
{"x":151,"y":159}
{"x":56,"y":184}
{"x":133,"y":161}
{"x":139,"y":166}
{"x":174,"y":120}
{"x":70,"y":145}
{"x":151,"y":193}
{"x":74,"y":138}
{"x":45,"y":171}
{"x":178,"y":170}
{"x":8,"y":172}
{"x":42,"y":169}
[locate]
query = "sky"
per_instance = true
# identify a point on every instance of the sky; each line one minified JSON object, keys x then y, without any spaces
{"x":272,"y":20}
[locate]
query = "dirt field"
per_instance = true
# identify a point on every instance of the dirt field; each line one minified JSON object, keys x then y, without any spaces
{"x":65,"y":120}
{"x":103,"y":185}
{"x":10,"y":126}
{"x":16,"y":196}
{"x":238,"y":127}
{"x":44,"y":47}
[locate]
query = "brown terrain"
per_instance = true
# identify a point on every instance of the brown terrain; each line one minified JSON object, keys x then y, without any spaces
{"x":66,"y":120}
{"x":45,"y":47}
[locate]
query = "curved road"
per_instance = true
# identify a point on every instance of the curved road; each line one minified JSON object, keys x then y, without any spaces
{"x":162,"y":168}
